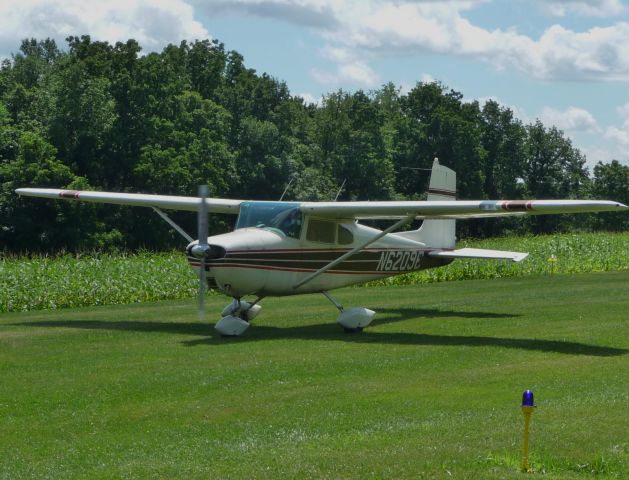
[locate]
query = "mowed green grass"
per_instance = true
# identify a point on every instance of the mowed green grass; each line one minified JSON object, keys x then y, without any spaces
{"x":431,"y":390}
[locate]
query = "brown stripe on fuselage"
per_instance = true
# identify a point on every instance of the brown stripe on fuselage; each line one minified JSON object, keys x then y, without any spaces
{"x":365,"y":262}
{"x":517,"y":205}
{"x":309,"y":257}
{"x":428,"y":263}
{"x":69,"y":194}
{"x":439,"y":191}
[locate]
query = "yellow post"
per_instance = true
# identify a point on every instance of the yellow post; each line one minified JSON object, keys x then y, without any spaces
{"x":527,"y":410}
{"x":552,"y":260}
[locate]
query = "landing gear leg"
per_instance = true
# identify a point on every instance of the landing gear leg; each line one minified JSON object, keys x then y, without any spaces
{"x":354,"y":319}
{"x":331,"y":298}
{"x":248,"y":311}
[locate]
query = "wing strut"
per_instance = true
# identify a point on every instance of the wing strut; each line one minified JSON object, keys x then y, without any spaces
{"x":354,"y":250}
{"x":170,"y":222}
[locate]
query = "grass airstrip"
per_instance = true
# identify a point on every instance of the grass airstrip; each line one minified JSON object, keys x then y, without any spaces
{"x":431,"y":390}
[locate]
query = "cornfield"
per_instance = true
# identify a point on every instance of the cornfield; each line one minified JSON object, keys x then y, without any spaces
{"x":47,"y":282}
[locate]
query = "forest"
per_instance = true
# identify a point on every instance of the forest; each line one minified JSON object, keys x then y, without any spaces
{"x":97,"y":116}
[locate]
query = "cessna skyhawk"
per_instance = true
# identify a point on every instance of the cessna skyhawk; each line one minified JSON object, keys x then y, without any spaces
{"x":288,"y":248}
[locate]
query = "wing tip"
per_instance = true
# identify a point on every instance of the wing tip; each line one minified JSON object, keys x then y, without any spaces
{"x":520,"y":257}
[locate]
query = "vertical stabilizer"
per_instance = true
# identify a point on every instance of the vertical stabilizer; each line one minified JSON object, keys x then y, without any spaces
{"x":438,"y":233}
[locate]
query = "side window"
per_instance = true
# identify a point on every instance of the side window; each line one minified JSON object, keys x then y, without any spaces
{"x":320,"y":231}
{"x":345,"y":236}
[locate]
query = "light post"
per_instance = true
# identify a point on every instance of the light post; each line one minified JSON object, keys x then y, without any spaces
{"x":528,"y":404}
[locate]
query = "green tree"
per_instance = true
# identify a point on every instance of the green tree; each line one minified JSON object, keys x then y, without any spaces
{"x":553,"y":169}
{"x":206,"y":62}
{"x":503,"y":139}
{"x":31,"y":225}
{"x":442,"y":126}
{"x":611,"y":182}
{"x":348,"y":131}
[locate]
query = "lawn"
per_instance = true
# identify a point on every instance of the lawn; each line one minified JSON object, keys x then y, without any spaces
{"x":431,"y":390}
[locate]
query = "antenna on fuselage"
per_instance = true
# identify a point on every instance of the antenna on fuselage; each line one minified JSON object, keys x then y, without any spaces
{"x":340,"y":189}
{"x":292,"y":178}
{"x":417,"y":169}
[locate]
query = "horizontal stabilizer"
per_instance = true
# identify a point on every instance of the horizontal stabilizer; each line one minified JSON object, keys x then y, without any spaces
{"x":480,"y":253}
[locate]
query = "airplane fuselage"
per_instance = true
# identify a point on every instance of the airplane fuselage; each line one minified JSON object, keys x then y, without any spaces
{"x":265,"y":262}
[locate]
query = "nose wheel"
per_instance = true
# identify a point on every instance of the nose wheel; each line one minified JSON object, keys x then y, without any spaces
{"x":236,"y":317}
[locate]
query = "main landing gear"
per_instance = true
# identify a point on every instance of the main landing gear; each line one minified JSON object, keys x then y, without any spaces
{"x":238,"y":314}
{"x":236,"y":317}
{"x":354,"y":319}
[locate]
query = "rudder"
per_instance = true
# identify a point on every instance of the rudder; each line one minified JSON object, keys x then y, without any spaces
{"x":438,"y":233}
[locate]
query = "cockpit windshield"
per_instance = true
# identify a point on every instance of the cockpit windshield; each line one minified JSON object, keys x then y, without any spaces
{"x":284,"y":217}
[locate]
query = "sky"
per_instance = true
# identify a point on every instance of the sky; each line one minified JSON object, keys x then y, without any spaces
{"x":565,"y":62}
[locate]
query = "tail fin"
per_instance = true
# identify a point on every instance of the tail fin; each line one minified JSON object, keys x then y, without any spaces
{"x":438,"y":233}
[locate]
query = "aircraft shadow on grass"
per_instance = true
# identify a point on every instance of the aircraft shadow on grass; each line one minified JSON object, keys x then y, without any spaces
{"x":330,"y":331}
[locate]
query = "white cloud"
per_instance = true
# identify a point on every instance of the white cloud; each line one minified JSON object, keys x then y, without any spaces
{"x":350,"y":68}
{"x":595,"y":154}
{"x":154,"y":23}
{"x":427,"y":78}
{"x":337,"y":54}
{"x":623,"y":110}
{"x":571,"y":120}
{"x":597,"y":143}
{"x":368,"y":28}
{"x":587,"y":8}
{"x":309,"y":13}
{"x":309,"y":98}
{"x":614,"y":145}
{"x":354,"y":72}
{"x":619,"y":135}
{"x":596,"y":54}
{"x":360,"y":73}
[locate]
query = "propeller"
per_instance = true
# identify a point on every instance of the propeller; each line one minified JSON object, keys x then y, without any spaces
{"x":202,"y":250}
{"x":202,"y":247}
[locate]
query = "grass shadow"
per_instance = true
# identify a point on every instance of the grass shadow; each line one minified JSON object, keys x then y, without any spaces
{"x":330,"y":331}
{"x":180,"y":328}
{"x":392,"y":315}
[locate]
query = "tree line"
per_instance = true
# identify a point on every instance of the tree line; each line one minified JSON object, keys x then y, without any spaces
{"x":98,"y":116}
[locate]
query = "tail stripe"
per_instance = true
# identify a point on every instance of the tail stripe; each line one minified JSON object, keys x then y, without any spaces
{"x":442,"y":192}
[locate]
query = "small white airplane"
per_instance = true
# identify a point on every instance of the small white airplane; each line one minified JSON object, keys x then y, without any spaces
{"x":288,"y":248}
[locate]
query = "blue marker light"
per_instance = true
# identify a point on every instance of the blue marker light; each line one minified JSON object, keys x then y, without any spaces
{"x":528,"y":405}
{"x":527,"y":399}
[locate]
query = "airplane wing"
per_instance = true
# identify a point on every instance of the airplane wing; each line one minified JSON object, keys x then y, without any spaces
{"x":457,"y":209}
{"x":215,"y":205}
